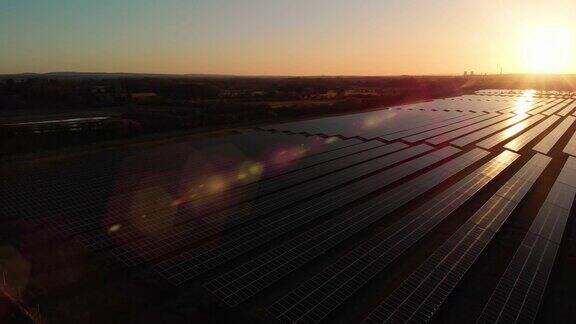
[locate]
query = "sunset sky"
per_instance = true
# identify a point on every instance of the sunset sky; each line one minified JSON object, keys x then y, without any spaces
{"x":297,"y":37}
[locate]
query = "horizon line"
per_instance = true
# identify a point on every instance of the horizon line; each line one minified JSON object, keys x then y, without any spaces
{"x":277,"y":75}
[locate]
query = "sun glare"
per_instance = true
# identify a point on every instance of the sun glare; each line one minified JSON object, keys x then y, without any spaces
{"x":547,"y":50}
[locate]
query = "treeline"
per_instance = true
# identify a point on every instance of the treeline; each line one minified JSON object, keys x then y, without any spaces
{"x":47,"y":93}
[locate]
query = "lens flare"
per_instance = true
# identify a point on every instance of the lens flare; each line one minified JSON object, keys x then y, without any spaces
{"x":331,"y":140}
{"x":216,"y":184}
{"x":114,"y":228}
{"x":256,"y":169}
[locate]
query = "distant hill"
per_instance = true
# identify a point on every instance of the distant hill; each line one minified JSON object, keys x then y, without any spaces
{"x":116,"y":75}
{"x":105,"y":75}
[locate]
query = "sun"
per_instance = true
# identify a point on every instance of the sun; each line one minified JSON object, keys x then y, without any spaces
{"x":547,"y":50}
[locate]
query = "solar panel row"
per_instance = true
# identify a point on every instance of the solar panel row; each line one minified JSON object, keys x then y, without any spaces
{"x":402,"y":118}
{"x":509,"y":132}
{"x":326,"y":198}
{"x":157,"y":156}
{"x":518,"y":295}
{"x":473,"y":137}
{"x":438,"y":131}
{"x":394,"y":121}
{"x":438,"y":125}
{"x":530,"y":107}
{"x":294,"y":177}
{"x":319,"y":164}
{"x":519,"y":142}
{"x":371,"y":124}
{"x":548,"y":142}
{"x":262,"y":271}
{"x":127,"y":173}
{"x":190,"y":232}
{"x":324,"y":292}
{"x":556,"y":108}
{"x":92,"y":220}
{"x":467,"y":130}
{"x":423,"y":292}
{"x":191,"y":263}
{"x":568,"y":109}
{"x":570,"y":148}
{"x":387,"y":129}
{"x":550,"y":105}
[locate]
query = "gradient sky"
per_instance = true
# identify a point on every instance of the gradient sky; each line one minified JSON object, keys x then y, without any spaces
{"x":296,"y":37}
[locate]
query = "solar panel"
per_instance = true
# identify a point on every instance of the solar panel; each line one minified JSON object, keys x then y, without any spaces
{"x":331,"y":287}
{"x":212,"y":223}
{"x":88,"y":211}
{"x":548,"y":142}
{"x":438,"y":131}
{"x":248,"y":279}
{"x":509,"y":132}
{"x":568,"y":109}
{"x":312,"y":222}
{"x":546,"y":106}
{"x":406,"y":120}
{"x":100,"y":173}
{"x":466,"y":130}
{"x":520,"y":290}
{"x":439,"y":125}
{"x":286,"y":180}
{"x":191,"y":263}
{"x":519,"y":142}
{"x":369,"y":124}
{"x":473,"y":137}
{"x":424,"y":291}
{"x":570,"y":148}
{"x":555,"y":108}
{"x":523,"y":106}
{"x":335,"y":153}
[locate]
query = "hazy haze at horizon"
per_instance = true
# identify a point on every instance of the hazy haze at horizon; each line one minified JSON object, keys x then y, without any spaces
{"x":338,"y":37}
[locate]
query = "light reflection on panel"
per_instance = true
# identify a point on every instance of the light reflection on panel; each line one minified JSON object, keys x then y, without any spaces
{"x":509,"y":132}
{"x":439,"y":125}
{"x":519,"y":142}
{"x":466,"y":130}
{"x":463,"y":141}
{"x":520,"y":290}
{"x":548,"y":142}
{"x":435,"y":132}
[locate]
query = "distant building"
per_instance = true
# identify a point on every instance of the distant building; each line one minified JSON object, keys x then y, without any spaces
{"x":234,"y":93}
{"x":144,"y":97}
{"x":361,"y":93}
{"x":258,"y":93}
{"x":330,"y":94}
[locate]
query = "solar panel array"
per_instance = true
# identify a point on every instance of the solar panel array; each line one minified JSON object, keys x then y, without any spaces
{"x":424,"y":291}
{"x":300,"y":218}
{"x":519,"y":292}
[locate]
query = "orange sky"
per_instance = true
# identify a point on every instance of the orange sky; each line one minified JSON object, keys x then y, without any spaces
{"x":338,"y":37}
